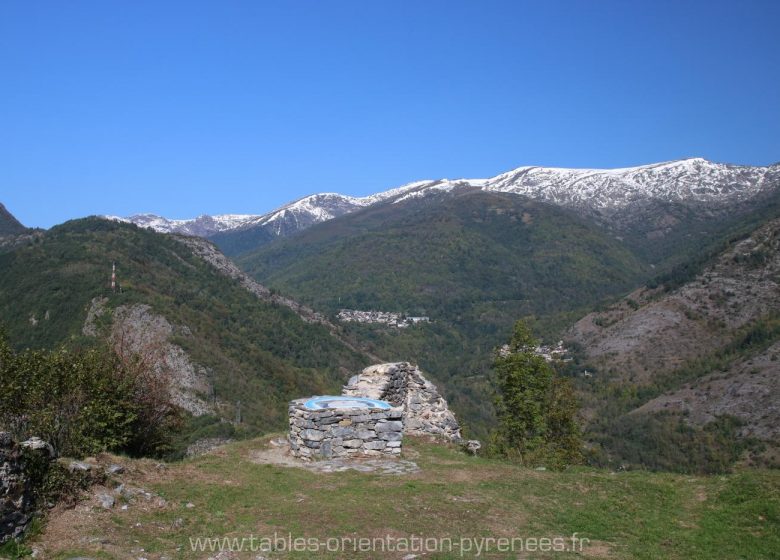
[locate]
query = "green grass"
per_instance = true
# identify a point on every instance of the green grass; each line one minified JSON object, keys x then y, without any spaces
{"x":625,"y":515}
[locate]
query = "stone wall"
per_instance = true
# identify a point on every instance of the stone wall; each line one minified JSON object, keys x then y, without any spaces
{"x":16,"y":503}
{"x":344,"y":432}
{"x":403,"y":385}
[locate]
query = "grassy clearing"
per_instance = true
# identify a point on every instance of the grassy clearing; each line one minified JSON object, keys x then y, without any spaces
{"x":625,"y":515}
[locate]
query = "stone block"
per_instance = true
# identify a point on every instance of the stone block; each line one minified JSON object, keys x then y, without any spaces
{"x":391,"y":426}
{"x":312,"y":435}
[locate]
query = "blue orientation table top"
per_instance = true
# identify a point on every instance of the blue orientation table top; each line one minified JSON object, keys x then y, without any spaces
{"x":342,"y":401}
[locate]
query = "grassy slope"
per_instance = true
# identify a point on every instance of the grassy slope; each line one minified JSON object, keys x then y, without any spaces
{"x":260,"y":353}
{"x":635,"y":515}
{"x":474,"y":262}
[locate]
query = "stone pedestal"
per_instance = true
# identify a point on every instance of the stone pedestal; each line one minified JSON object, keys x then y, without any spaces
{"x":344,"y":432}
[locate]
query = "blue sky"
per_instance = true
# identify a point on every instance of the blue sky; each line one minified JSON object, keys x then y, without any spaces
{"x":184,"y":108}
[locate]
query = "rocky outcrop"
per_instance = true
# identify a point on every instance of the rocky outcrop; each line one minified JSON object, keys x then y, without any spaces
{"x":209,"y":253}
{"x":212,"y":255}
{"x":97,"y":308}
{"x":425,"y":412}
{"x":138,"y":330}
{"x":654,"y":331}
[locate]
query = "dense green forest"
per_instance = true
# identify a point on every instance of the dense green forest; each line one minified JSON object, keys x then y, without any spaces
{"x":256,"y":352}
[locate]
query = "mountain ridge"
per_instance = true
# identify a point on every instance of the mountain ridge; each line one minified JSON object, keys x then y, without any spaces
{"x":248,"y":344}
{"x":604,"y":192}
{"x":9,"y":225}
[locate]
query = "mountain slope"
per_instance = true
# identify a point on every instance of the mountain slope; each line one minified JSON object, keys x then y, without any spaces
{"x":444,"y":252}
{"x":472,"y":261}
{"x":700,"y":355}
{"x":9,"y":225}
{"x":203,"y":226}
{"x":649,"y":201}
{"x":251,"y":349}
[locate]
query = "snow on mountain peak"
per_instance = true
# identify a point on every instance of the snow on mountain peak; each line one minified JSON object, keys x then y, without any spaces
{"x":692,"y":180}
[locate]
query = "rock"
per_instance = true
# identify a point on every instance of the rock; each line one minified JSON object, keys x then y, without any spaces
{"x":392,"y":426}
{"x":106,"y":501}
{"x":423,"y":410}
{"x":365,"y":434}
{"x":312,"y":435}
{"x":189,"y":505}
{"x":37,"y":444}
{"x":417,"y":408}
{"x":115,"y":469}
{"x":16,"y":496}
{"x":473,"y":446}
{"x":79,"y":466}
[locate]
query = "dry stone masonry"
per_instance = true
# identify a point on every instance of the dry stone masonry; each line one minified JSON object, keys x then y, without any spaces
{"x":403,"y":385}
{"x":16,"y":487}
{"x":396,"y":400}
{"x":345,"y":428}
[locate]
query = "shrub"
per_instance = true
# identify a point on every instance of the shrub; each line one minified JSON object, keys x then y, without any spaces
{"x":86,"y":401}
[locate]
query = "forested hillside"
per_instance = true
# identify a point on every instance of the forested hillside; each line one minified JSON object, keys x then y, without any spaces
{"x":253,"y":351}
{"x":474,"y":262}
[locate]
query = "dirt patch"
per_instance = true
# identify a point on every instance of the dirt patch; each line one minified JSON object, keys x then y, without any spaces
{"x":278,"y":453}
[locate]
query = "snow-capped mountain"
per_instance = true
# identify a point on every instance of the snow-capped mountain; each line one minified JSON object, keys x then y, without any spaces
{"x":202,"y":226}
{"x":594,"y":191}
{"x":291,"y":217}
{"x":693,"y":180}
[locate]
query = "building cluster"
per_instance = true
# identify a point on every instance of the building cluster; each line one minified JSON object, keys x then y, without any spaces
{"x":557,"y":353}
{"x":380,"y":317}
{"x":551,"y":353}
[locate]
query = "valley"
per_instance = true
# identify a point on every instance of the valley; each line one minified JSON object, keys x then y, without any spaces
{"x":649,"y":274}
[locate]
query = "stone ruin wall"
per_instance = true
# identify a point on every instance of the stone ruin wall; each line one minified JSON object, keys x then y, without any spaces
{"x":344,"y":432}
{"x":418,"y":409}
{"x":16,"y":488}
{"x":403,"y":385}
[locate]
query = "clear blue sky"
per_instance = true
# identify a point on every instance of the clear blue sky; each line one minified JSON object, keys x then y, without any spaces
{"x":183,"y":108}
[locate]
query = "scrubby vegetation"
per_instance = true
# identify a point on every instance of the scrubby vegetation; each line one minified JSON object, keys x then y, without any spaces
{"x":84,"y":402}
{"x":618,"y":438}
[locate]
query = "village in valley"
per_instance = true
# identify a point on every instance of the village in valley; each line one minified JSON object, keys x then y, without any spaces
{"x":397,"y":320}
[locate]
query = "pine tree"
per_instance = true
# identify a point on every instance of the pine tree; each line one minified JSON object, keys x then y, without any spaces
{"x":535,"y":408}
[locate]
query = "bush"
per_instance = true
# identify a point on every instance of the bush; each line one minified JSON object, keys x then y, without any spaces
{"x":83,"y":402}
